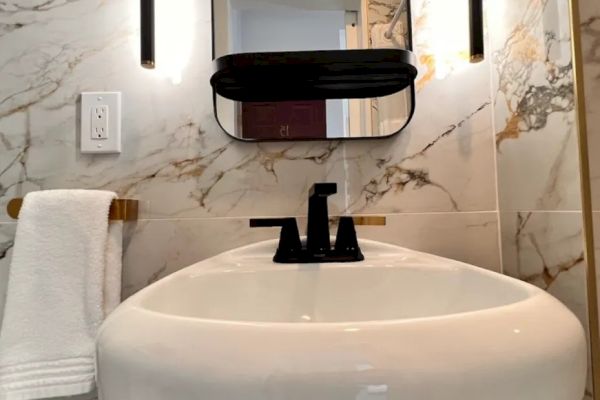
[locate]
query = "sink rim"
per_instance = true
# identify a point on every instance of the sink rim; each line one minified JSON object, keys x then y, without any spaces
{"x":345,"y":326}
{"x":504,"y":352}
{"x":227,"y":265}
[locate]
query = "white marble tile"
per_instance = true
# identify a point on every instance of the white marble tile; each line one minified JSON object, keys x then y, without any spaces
{"x":538,"y":167}
{"x":444,"y":160}
{"x":467,"y":237}
{"x":156,"y":248}
{"x":175,"y":157}
{"x":546,"y":249}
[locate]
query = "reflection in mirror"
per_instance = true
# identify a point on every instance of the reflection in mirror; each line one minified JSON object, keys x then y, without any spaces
{"x":258,"y":26}
{"x":252,"y":26}
{"x":315,"y":119}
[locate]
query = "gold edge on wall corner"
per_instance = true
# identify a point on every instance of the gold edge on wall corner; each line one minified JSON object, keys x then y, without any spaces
{"x":586,"y":194}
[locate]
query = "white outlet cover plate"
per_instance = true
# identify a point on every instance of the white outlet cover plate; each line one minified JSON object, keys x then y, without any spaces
{"x":111,"y":142}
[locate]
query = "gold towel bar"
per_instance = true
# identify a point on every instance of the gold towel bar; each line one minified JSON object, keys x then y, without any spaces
{"x":120,"y":209}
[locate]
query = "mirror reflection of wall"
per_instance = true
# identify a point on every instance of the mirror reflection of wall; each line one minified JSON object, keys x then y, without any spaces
{"x":254,"y":26}
{"x":248,"y":26}
{"x":284,"y":29}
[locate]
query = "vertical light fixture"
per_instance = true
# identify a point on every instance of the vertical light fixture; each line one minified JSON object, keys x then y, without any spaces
{"x":147,"y":33}
{"x":444,"y":35}
{"x":476,"y":30}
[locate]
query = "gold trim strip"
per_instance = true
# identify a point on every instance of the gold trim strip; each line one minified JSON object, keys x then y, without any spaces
{"x":120,"y":209}
{"x":586,"y":194}
{"x":363,"y":220}
{"x":370,"y":221}
{"x":366,"y":220}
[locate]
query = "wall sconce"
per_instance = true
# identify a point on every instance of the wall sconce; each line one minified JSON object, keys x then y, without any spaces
{"x":147,"y":33}
{"x":167,"y":35}
{"x":476,"y":30}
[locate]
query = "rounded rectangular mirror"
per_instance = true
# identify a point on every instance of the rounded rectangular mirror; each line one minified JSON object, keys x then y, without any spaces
{"x":311,"y":69}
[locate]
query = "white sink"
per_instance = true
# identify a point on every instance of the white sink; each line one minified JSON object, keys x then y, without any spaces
{"x":401,"y":325}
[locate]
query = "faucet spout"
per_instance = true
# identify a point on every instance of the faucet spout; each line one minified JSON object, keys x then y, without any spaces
{"x":317,"y":231}
{"x":317,"y":249}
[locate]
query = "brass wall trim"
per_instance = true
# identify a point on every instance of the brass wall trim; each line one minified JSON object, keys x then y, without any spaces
{"x":586,"y":194}
{"x":120,"y":209}
{"x":367,"y":220}
{"x":370,"y":221}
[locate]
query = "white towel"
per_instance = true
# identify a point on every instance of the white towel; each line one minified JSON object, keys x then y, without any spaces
{"x":64,"y":279}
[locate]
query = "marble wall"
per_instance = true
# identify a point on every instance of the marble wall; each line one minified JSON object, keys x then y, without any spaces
{"x":537,"y":154}
{"x":486,"y":172}
{"x":435,"y":181}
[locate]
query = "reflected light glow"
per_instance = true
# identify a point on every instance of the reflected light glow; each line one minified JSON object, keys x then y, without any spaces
{"x":449,"y":40}
{"x":174,"y":37}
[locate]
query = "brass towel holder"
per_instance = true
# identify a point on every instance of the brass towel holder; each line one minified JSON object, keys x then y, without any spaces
{"x":120,"y":209}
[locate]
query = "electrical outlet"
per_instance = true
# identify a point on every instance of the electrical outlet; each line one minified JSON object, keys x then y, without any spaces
{"x":101,"y":122}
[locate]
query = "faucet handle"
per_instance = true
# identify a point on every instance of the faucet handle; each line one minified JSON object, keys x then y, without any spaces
{"x":346,"y":240}
{"x":323,"y":189}
{"x":289,"y":239}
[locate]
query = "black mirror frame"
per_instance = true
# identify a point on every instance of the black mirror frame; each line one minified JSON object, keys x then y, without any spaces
{"x":411,"y":87}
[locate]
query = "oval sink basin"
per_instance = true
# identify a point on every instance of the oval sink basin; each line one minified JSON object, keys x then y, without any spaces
{"x":400,"y":325}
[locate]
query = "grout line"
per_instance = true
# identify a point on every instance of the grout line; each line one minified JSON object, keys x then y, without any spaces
{"x":305,"y":216}
{"x":541,"y":211}
{"x":386,"y":214}
{"x":494,"y":148}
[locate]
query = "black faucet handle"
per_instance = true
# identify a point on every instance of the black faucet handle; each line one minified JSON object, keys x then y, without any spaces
{"x":289,"y":238}
{"x":317,"y":229}
{"x":323,"y":189}
{"x":346,"y":241}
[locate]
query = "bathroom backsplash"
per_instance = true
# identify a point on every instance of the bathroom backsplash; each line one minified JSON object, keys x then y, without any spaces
{"x":447,"y":184}
{"x":435,"y":180}
{"x":536,"y":142}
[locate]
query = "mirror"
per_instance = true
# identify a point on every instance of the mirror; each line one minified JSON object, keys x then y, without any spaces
{"x":311,"y":69}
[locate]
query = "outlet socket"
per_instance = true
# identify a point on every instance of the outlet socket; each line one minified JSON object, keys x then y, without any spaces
{"x":101,"y":122}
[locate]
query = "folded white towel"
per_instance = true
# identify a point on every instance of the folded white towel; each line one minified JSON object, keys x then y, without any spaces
{"x":64,"y":278}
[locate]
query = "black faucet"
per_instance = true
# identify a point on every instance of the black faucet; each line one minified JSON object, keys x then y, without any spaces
{"x":317,"y":230}
{"x":317,"y":247}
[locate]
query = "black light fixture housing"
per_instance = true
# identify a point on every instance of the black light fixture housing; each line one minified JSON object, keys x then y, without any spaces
{"x":147,"y":33}
{"x":476,"y":30}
